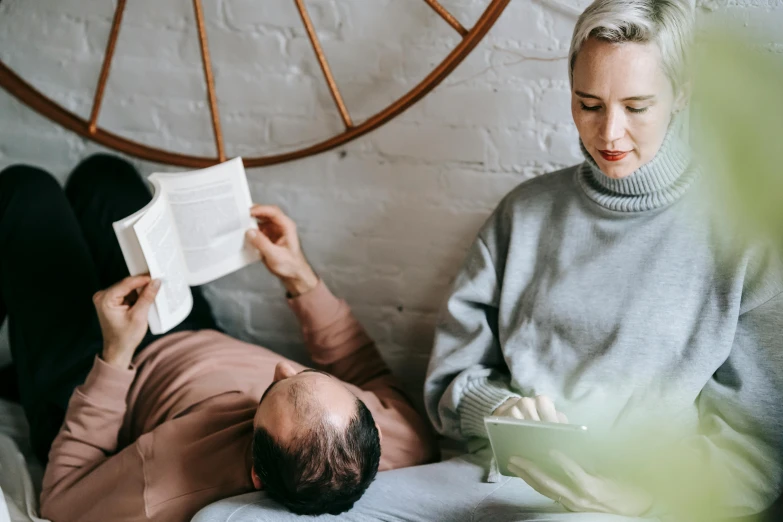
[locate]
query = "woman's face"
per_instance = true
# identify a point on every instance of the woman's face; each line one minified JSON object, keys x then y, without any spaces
{"x":622,"y":103}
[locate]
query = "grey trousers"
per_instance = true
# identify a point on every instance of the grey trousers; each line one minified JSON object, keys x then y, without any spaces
{"x":451,"y":491}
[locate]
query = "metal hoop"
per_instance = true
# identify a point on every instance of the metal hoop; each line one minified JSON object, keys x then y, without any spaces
{"x":40,"y":103}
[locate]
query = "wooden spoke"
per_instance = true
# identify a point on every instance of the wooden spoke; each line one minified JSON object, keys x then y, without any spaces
{"x":450,"y":19}
{"x":319,"y":53}
{"x":115,"y":32}
{"x":37,"y":101}
{"x":213,"y":108}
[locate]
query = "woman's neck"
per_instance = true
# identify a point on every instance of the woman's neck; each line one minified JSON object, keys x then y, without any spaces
{"x":657,"y":183}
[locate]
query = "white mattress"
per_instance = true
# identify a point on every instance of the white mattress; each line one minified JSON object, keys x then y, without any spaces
{"x":20,"y":472}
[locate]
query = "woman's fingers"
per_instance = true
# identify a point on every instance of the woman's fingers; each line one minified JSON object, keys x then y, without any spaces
{"x":537,"y":479}
{"x":525,"y":408}
{"x":504,"y":409}
{"x":574,"y":471}
{"x":546,"y":408}
{"x":516,"y":412}
{"x":528,"y":408}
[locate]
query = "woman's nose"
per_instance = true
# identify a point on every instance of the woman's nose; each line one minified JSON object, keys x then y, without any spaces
{"x":613,"y":126}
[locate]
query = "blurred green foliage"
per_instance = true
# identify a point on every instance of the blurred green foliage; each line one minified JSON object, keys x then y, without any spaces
{"x":738,"y":125}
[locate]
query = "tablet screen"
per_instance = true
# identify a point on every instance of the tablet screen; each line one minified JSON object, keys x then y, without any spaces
{"x":534,"y":440}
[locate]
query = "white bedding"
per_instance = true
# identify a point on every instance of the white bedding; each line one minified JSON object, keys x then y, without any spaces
{"x":20,"y":472}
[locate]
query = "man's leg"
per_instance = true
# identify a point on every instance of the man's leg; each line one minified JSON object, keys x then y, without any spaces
{"x":47,"y":279}
{"x":103,"y":189}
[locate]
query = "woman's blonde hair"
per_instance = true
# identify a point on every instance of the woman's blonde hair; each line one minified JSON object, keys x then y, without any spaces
{"x":667,"y":23}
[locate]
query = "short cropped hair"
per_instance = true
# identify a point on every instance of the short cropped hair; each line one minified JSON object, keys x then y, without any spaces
{"x":322,"y":470}
{"x":667,"y":23}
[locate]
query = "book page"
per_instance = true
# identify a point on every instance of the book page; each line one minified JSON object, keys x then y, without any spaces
{"x":157,"y":237}
{"x":134,"y":256}
{"x":211,"y":210}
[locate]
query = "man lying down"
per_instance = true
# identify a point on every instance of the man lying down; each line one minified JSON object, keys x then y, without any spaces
{"x":159,"y":427}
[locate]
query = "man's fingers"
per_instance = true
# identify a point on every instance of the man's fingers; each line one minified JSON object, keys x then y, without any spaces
{"x":127,"y":285}
{"x":142,"y":306}
{"x":271,"y":230}
{"x":259,"y":240}
{"x":546,"y":408}
{"x":274,"y":214}
{"x":265,"y":210}
{"x":561,"y":418}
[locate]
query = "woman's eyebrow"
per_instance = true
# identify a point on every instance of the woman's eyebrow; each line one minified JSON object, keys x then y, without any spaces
{"x":585,"y":95}
{"x":639,"y":98}
{"x":643,"y":97}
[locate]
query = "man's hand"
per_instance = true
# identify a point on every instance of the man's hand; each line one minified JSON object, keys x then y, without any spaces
{"x":122,"y":312}
{"x":585,"y":492}
{"x":539,"y":409}
{"x":278,"y":243}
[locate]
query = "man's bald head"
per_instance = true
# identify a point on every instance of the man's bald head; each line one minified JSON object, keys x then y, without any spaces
{"x":316,"y":447}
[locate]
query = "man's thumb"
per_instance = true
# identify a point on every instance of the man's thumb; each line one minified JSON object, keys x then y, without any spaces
{"x":259,"y":240}
{"x":147,"y":297}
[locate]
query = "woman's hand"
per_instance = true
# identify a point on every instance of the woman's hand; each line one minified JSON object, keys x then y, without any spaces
{"x":278,"y":243}
{"x":122,"y":312}
{"x":539,"y":409}
{"x":585,"y":492}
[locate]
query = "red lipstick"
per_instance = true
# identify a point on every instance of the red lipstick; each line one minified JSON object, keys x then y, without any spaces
{"x":613,"y":155}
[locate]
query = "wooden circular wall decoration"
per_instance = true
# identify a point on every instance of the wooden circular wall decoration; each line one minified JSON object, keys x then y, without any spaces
{"x":90,"y":129}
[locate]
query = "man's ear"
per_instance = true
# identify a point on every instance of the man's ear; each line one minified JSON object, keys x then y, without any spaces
{"x":380,"y":433}
{"x":256,"y":480}
{"x":283,"y":370}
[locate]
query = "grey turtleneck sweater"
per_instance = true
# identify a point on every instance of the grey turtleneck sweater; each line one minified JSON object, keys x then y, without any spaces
{"x":621,"y":299}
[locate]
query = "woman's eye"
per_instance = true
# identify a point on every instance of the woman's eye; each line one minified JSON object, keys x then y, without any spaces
{"x":590,"y":107}
{"x":637,"y":111}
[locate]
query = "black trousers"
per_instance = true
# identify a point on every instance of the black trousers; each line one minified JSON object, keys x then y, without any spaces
{"x":57,"y":248}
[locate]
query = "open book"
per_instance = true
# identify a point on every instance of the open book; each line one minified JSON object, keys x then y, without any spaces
{"x":191,"y":233}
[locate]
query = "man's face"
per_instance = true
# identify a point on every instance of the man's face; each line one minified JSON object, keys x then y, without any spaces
{"x":295,"y":400}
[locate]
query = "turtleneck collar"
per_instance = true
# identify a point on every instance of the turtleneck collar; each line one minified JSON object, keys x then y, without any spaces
{"x":655,"y":184}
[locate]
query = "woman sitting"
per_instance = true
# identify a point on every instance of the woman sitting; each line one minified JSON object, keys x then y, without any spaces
{"x":606,"y":289}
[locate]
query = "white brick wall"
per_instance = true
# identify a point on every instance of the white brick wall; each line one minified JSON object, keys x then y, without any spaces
{"x":386,"y":219}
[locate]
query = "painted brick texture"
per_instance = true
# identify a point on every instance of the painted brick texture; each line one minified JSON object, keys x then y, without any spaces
{"x":386,"y":219}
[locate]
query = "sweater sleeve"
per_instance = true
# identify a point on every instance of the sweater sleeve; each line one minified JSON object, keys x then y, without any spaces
{"x":467,"y":377}
{"x":732,"y":467}
{"x":86,"y":479}
{"x":339,"y":345}
{"x":741,"y":415}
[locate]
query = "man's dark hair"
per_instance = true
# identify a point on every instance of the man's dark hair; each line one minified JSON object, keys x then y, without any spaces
{"x":322,"y":470}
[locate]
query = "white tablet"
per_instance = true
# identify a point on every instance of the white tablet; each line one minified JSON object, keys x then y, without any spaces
{"x":534,"y":440}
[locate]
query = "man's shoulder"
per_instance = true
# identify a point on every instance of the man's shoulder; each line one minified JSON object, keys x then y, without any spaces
{"x":202,"y":455}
